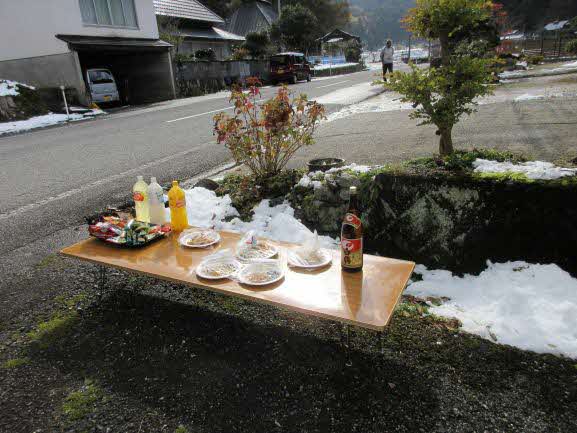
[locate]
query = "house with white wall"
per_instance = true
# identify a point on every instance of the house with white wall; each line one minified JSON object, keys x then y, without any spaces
{"x":198,"y":27}
{"x":52,"y":43}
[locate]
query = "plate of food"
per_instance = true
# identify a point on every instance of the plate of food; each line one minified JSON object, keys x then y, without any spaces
{"x":217,"y":269}
{"x":257,"y":250}
{"x":309,"y":259}
{"x":260,"y":274}
{"x":124,"y":232}
{"x":198,"y":238}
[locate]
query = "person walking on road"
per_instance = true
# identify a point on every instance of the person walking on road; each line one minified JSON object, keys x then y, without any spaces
{"x":387,"y":58}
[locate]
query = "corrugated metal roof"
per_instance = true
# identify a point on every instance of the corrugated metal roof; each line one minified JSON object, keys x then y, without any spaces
{"x":213,"y":33}
{"x":252,"y":17}
{"x":187,"y":9}
{"x":268,"y":11}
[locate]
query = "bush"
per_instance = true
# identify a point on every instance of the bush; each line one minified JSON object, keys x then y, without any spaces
{"x":257,"y":44}
{"x":180,"y":59}
{"x":240,"y":53}
{"x":571,"y":46}
{"x":265,"y":137}
{"x":353,"y":51}
{"x":205,"y":54}
{"x":534,"y":60}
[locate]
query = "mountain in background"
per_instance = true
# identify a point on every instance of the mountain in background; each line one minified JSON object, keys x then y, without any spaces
{"x":376,"y":20}
{"x":534,"y":14}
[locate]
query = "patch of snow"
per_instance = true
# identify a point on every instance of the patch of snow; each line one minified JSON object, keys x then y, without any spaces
{"x":380,"y":104}
{"x":315,"y":179}
{"x":528,"y":97}
{"x":570,"y":65}
{"x":556,"y":25}
{"x":43,"y":121}
{"x":9,"y":87}
{"x":336,"y":66}
{"x":350,"y":95}
{"x":205,"y":209}
{"x":530,"y":306}
{"x":532,"y":169}
{"x":522,"y":65}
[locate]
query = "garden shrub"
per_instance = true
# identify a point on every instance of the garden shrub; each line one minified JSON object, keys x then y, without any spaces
{"x":264,"y":136}
{"x":571,"y":46}
{"x":534,"y":60}
{"x":205,"y":54}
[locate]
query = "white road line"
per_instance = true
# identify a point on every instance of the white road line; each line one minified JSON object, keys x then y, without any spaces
{"x":65,"y":194}
{"x":333,"y":84}
{"x":198,"y":115}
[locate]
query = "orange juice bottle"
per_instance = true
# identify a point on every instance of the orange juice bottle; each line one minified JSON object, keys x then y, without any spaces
{"x":177,"y":204}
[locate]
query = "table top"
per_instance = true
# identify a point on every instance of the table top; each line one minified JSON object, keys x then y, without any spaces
{"x":366,"y":299}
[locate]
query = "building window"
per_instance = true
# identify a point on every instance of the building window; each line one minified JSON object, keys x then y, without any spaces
{"x":113,"y":13}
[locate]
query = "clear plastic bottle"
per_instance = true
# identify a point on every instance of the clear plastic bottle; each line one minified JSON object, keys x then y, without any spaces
{"x":177,"y":203}
{"x":140,"y":196}
{"x":156,"y":202}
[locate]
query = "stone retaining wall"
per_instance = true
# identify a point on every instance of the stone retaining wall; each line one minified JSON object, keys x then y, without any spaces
{"x":452,"y":222}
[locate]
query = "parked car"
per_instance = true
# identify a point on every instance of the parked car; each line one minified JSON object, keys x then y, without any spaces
{"x":102,"y":85}
{"x":290,"y":67}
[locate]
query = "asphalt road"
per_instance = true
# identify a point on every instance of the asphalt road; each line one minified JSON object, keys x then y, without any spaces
{"x":54,"y":177}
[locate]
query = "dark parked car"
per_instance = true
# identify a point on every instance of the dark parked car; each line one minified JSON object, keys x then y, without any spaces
{"x":290,"y":67}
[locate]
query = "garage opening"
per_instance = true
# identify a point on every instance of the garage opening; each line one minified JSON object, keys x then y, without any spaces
{"x":141,"y":67}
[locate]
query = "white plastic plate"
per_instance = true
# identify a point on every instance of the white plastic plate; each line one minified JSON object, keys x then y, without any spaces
{"x":202,"y":270}
{"x":256,"y":267}
{"x":326,"y":256}
{"x":187,"y":235}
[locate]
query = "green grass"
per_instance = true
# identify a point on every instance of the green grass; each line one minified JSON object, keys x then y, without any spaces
{"x":462,"y":160}
{"x":181,"y":429}
{"x":50,"y":331}
{"x":49,"y":261}
{"x":15,"y":362}
{"x":80,"y":403}
{"x":71,"y":302}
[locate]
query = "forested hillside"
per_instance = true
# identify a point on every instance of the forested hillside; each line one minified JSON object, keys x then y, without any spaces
{"x":376,"y":20}
{"x":533,"y":14}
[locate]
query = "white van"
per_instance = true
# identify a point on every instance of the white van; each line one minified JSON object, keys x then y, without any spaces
{"x":102,"y":85}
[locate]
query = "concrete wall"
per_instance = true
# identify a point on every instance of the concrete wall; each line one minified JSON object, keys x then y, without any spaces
{"x":44,"y":71}
{"x":28,"y":27}
{"x":222,"y":70}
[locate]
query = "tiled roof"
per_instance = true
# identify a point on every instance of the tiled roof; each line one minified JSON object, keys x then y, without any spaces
{"x":187,"y":9}
{"x":250,"y":17}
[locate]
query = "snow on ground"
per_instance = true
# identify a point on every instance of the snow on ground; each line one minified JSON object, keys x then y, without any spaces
{"x":45,"y":120}
{"x":530,"y":306}
{"x":382,"y":103}
{"x":316,"y":178}
{"x":336,"y":66}
{"x":272,"y":222}
{"x":351,"y":95}
{"x":9,"y":87}
{"x":528,"y":97}
{"x":532,"y":169}
{"x":564,"y":69}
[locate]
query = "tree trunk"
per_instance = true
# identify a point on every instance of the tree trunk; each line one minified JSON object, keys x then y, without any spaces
{"x":446,"y":142}
{"x":445,"y":54}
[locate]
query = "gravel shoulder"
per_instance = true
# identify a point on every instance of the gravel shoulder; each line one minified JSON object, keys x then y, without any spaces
{"x":151,"y":356}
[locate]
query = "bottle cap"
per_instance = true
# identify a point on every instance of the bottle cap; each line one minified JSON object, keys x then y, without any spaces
{"x":175,"y":183}
{"x":139,"y":178}
{"x":353,"y":190}
{"x":153,"y":180}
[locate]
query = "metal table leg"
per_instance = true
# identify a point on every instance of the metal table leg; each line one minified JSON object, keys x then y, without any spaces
{"x":101,"y":278}
{"x":345,"y":342}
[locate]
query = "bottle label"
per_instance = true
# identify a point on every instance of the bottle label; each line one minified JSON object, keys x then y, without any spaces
{"x":138,"y":196}
{"x":353,"y":220}
{"x":179,"y":203}
{"x":352,"y":253}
